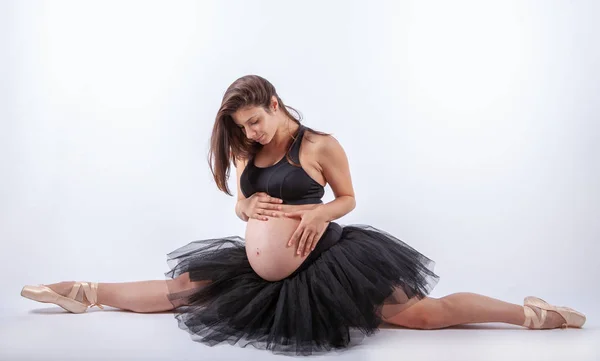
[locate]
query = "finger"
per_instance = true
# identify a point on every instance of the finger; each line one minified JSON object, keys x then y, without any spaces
{"x":305,"y":235}
{"x":259,"y":216}
{"x":268,"y":199}
{"x":314,"y":241}
{"x":266,"y":212}
{"x":294,"y":237}
{"x":270,"y":206}
{"x":310,"y":243}
{"x":271,"y":199}
{"x":297,"y":214}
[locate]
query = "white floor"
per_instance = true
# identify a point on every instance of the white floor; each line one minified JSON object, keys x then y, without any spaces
{"x":46,"y":332}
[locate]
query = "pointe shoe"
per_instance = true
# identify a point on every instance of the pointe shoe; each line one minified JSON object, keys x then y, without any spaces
{"x":572,"y":317}
{"x":45,"y":294}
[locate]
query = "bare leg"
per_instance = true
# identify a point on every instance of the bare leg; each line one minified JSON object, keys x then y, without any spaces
{"x":140,"y":296}
{"x":462,"y":308}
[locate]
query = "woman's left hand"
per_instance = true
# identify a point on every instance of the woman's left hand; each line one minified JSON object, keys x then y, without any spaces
{"x":310,"y":229}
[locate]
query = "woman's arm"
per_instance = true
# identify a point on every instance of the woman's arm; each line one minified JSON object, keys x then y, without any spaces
{"x":333,"y":162}
{"x":239,"y":168}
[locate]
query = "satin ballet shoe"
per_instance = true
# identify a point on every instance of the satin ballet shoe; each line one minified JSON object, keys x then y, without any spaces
{"x":45,"y":294}
{"x":572,"y":317}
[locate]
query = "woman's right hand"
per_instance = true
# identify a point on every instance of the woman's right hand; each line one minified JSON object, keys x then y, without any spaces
{"x":260,"y":205}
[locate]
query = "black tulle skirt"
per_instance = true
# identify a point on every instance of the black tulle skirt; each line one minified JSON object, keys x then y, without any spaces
{"x":356,"y":277}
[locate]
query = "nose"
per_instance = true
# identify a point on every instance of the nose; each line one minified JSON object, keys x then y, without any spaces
{"x":251,"y":135}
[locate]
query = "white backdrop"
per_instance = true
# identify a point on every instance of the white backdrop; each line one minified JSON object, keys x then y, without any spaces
{"x":471,"y":130}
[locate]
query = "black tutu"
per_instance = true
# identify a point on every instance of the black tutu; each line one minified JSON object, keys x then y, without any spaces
{"x":356,"y":276}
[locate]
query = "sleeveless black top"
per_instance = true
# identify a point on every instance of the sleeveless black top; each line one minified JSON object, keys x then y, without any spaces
{"x":283,"y":180}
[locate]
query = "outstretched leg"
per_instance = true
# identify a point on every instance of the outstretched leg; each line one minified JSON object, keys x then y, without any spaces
{"x":140,"y":296}
{"x":462,"y":308}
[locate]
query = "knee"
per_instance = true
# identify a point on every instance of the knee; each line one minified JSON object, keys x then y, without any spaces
{"x":182,"y":282}
{"x":427,"y":316}
{"x":420,"y":319}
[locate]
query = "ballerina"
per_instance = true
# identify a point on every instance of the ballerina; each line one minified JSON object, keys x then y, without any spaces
{"x":297,"y":282}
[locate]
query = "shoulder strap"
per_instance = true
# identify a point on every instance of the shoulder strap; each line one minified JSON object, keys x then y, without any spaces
{"x":295,"y":151}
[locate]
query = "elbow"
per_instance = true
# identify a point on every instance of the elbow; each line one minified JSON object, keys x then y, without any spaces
{"x":239,"y":212}
{"x":352,"y":202}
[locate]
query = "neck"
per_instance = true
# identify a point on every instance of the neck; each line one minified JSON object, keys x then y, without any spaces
{"x":283,"y":135}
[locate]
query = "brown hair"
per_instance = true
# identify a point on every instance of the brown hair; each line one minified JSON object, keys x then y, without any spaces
{"x":228,"y":142}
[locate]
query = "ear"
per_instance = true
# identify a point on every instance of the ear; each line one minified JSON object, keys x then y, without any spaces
{"x":274,"y":103}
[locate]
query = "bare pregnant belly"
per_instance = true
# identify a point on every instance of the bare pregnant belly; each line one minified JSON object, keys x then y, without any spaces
{"x":267,"y":250}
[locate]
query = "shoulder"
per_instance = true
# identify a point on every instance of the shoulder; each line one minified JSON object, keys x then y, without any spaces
{"x":240,"y":163}
{"x":324,"y":146}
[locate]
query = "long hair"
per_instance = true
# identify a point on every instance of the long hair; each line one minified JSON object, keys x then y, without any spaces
{"x":228,"y":142}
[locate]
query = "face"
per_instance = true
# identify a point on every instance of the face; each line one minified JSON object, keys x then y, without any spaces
{"x":256,"y":123}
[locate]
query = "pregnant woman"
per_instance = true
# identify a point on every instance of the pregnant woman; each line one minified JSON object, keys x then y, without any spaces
{"x":298,"y":282}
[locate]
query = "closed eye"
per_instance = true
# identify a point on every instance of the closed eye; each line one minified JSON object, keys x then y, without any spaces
{"x":252,"y":123}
